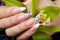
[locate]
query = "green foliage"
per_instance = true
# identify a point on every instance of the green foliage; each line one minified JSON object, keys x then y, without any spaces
{"x":49,"y":29}
{"x":51,"y":11}
{"x":34,"y":6}
{"x":10,"y":3}
{"x":41,"y":36}
{"x":13,"y":3}
{"x":41,"y":32}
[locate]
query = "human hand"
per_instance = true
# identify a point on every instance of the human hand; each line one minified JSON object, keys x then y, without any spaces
{"x":17,"y":22}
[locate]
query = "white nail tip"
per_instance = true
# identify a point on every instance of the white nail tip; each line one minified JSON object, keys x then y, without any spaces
{"x":37,"y":25}
{"x":37,"y":18}
{"x":29,"y":13}
{"x":22,"y":8}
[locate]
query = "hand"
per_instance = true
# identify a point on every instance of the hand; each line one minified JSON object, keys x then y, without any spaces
{"x":17,"y":22}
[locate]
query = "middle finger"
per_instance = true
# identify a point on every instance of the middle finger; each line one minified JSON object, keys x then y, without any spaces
{"x":13,"y":20}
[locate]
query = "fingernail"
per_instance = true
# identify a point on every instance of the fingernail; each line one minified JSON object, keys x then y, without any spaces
{"x":36,"y":25}
{"x":21,"y":17}
{"x":22,"y":8}
{"x":29,"y":14}
{"x":17,"y":10}
{"x":37,"y":18}
{"x":24,"y":16}
{"x":30,"y":22}
{"x":33,"y":29}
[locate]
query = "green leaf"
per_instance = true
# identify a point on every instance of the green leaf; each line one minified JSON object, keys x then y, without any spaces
{"x":49,"y":29}
{"x":41,"y":36}
{"x":34,"y":6}
{"x":52,"y":12}
{"x":13,"y":3}
{"x":9,"y":3}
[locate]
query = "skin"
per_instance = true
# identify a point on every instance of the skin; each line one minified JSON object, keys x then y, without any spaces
{"x":11,"y":19}
{"x":57,"y":3}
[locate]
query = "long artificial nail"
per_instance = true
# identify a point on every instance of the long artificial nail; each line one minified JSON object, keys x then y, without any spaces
{"x":22,"y":8}
{"x":25,"y":16}
{"x":17,"y":10}
{"x":29,"y":14}
{"x":37,"y":25}
{"x":14,"y":11}
{"x":21,"y":17}
{"x":37,"y":18}
{"x":30,"y":22}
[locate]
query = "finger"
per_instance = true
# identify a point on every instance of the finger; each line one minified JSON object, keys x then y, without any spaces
{"x":9,"y":11}
{"x":26,"y":35}
{"x":13,"y":20}
{"x":28,"y":5}
{"x":20,"y":27}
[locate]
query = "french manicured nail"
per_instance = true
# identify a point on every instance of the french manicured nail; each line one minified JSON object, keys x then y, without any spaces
{"x":17,"y":10}
{"x":30,"y":22}
{"x":36,"y":25}
{"x":14,"y":11}
{"x":29,"y":14}
{"x":24,"y":16}
{"x":20,"y":17}
{"x":37,"y":18}
{"x":33,"y":30}
{"x":22,"y":8}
